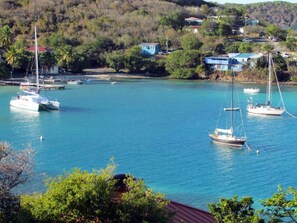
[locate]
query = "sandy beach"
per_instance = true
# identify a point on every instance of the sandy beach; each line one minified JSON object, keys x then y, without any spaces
{"x":108,"y":73}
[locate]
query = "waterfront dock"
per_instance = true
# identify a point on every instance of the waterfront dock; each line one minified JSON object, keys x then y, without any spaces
{"x":43,"y":86}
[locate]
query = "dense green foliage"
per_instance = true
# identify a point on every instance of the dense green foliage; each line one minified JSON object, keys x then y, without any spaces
{"x":96,"y":33}
{"x":235,"y":211}
{"x":282,"y":206}
{"x":183,"y":63}
{"x":91,"y":197}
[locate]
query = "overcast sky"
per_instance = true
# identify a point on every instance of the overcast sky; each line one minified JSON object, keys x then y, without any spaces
{"x":247,"y":1}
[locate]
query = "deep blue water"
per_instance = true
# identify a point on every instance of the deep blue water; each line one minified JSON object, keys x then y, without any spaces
{"x":157,"y":130}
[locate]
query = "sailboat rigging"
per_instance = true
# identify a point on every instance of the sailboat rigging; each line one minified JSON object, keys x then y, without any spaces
{"x":267,"y":108}
{"x":228,"y":136}
{"x":31,"y":99}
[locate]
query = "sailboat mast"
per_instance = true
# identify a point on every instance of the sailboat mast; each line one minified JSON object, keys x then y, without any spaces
{"x":36,"y":58}
{"x":269,"y":79}
{"x":232,"y":116}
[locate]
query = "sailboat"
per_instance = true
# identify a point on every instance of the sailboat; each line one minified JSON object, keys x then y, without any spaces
{"x":31,"y":99}
{"x":266,"y":109}
{"x":227,"y":136}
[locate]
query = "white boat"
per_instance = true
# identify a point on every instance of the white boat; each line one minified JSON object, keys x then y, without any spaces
{"x":75,"y":82}
{"x":230,"y":136}
{"x":251,"y":90}
{"x":266,"y":108}
{"x":32,"y":100}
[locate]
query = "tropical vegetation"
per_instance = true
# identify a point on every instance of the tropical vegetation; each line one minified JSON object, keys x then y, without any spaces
{"x":93,"y":33}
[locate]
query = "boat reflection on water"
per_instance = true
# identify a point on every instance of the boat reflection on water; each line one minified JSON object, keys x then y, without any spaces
{"x":22,"y":115}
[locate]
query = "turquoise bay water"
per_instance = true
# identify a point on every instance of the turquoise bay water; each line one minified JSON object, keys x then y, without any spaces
{"x":157,"y":130}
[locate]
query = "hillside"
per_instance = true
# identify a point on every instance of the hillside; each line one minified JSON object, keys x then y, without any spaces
{"x":282,"y":14}
{"x":126,"y":22}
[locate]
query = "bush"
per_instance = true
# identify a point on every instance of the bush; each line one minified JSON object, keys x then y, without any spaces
{"x":91,"y":197}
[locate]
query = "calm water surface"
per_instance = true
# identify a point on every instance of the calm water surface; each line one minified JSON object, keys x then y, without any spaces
{"x":157,"y":130}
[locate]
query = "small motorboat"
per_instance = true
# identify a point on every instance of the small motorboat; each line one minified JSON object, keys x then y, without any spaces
{"x":251,"y":90}
{"x":75,"y":82}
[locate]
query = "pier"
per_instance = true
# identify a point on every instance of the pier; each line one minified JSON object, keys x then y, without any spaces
{"x":42,"y":86}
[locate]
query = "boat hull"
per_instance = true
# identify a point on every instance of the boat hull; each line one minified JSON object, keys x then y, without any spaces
{"x":18,"y":103}
{"x":34,"y":103}
{"x":251,"y":90}
{"x":265,"y":110}
{"x":228,"y":140}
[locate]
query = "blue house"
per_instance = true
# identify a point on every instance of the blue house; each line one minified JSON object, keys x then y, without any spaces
{"x":218,"y":63}
{"x":241,"y":59}
{"x":150,"y":49}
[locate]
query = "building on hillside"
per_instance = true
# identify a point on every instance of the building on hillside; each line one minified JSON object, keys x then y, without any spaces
{"x":150,"y":49}
{"x":251,"y":22}
{"x":237,"y":60}
{"x":243,"y":59}
{"x":193,"y":24}
{"x":193,"y":21}
{"x":218,"y":63}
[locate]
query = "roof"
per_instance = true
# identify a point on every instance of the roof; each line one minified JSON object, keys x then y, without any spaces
{"x":187,"y":214}
{"x":193,"y":19}
{"x":40,"y":49}
{"x":149,"y":44}
{"x":244,"y":55}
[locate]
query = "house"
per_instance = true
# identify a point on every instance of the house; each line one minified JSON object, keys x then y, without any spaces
{"x":251,"y":22}
{"x":193,"y":21}
{"x":193,"y":24}
{"x":150,"y":49}
{"x":218,"y":63}
{"x":237,"y":60}
{"x":242,"y":59}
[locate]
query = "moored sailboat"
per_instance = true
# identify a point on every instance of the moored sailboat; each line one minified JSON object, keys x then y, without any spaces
{"x":227,"y":136}
{"x":31,"y":99}
{"x":267,"y":108}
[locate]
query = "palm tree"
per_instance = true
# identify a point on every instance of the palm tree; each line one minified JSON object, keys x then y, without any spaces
{"x":14,"y":58}
{"x":65,"y":55}
{"x":6,"y":37}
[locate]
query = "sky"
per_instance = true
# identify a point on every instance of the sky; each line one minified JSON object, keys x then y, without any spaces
{"x":247,"y":1}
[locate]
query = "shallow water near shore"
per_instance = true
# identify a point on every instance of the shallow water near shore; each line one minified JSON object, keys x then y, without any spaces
{"x":157,"y":130}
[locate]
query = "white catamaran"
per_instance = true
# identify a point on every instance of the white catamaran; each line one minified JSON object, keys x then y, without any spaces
{"x":231,"y":136}
{"x":267,"y":109}
{"x":31,"y":99}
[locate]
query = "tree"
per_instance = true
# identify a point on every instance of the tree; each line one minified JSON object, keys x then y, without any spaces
{"x":282,"y":206}
{"x":65,"y":55}
{"x":232,"y":17}
{"x":245,"y":47}
{"x":267,"y":47}
{"x":14,"y":57}
{"x":232,"y":48}
{"x":174,"y":20}
{"x":183,"y":63}
{"x":115,"y":60}
{"x":6,"y":37}
{"x":92,"y":197}
{"x":235,"y":211}
{"x":224,"y":29}
{"x":209,"y":27}
{"x":276,"y":32}
{"x":15,"y":169}
{"x":190,"y":42}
